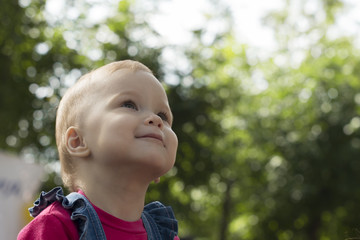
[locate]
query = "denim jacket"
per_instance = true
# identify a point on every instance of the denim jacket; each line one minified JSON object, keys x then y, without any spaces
{"x":159,"y":221}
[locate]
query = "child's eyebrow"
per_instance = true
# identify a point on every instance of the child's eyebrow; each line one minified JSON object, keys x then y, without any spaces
{"x":124,"y":94}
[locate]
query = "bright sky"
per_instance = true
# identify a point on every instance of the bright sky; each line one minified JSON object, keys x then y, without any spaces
{"x":175,"y":18}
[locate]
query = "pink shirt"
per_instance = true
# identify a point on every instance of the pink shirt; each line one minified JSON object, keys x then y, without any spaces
{"x":54,"y":223}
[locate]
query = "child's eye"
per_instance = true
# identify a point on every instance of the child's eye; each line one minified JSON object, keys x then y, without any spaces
{"x":163,"y":116}
{"x":129,"y":104}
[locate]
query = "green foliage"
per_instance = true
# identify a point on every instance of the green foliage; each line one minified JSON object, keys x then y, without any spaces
{"x":313,"y":163}
{"x":268,"y":147}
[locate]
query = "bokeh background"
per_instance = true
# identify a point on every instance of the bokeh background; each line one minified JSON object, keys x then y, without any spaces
{"x":266,"y":99}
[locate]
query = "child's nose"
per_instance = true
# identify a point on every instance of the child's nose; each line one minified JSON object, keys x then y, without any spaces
{"x":154,"y":120}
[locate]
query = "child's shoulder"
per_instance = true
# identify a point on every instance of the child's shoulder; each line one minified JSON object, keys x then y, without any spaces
{"x":53,"y":222}
{"x":56,"y":211}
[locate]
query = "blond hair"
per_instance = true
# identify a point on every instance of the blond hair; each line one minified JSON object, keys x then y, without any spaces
{"x":68,"y":113}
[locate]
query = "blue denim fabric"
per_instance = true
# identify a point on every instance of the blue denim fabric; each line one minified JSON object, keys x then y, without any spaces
{"x":159,"y":221}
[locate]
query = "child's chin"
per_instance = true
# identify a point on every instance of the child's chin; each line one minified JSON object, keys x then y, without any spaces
{"x":159,"y":169}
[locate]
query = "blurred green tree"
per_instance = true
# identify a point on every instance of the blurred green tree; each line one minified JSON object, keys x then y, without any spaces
{"x":283,"y":136}
{"x":268,"y":147}
{"x":291,"y":137}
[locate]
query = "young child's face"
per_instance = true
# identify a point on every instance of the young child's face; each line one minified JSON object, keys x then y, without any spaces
{"x":128,"y":123}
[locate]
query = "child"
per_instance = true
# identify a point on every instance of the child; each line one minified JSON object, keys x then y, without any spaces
{"x":114,"y":136}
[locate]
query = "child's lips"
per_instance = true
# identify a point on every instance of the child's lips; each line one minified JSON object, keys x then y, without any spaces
{"x":153,"y":136}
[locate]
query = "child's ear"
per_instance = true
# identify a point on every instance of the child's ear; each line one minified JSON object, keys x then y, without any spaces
{"x":75,"y":143}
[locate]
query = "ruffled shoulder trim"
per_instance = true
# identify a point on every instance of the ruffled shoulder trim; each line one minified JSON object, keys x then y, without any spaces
{"x":45,"y":199}
{"x":82,"y":213}
{"x":164,"y":217}
{"x":74,"y":202}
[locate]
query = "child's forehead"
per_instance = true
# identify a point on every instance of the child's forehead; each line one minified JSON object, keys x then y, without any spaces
{"x":126,"y":84}
{"x":122,"y":73}
{"x":128,"y":80}
{"x":114,"y":68}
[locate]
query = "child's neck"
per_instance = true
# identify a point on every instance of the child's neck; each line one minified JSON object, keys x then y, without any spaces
{"x":122,"y":199}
